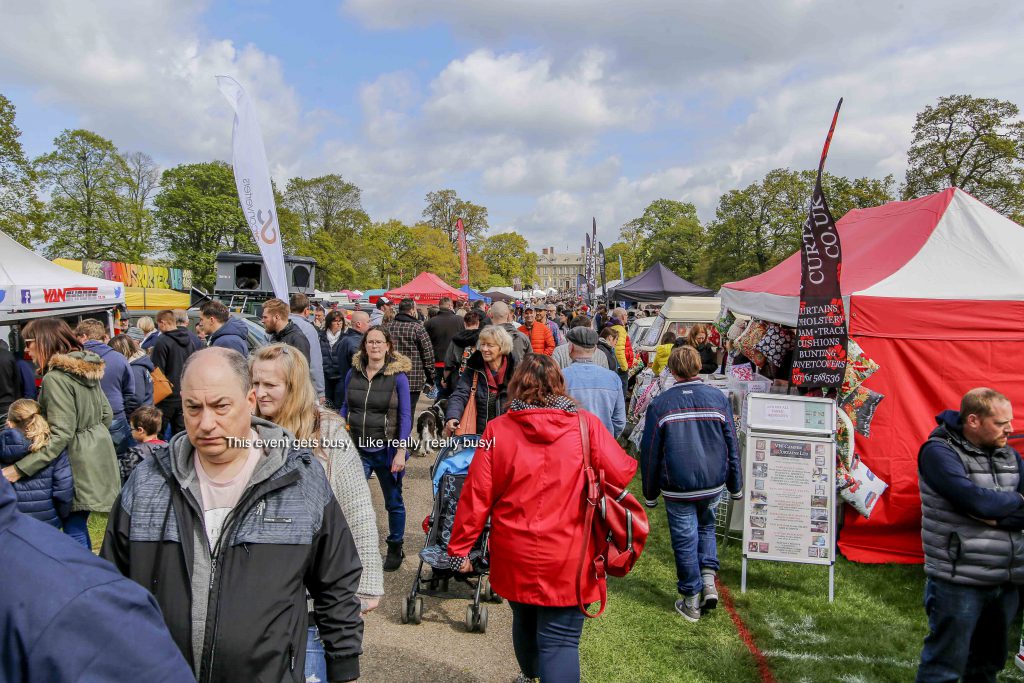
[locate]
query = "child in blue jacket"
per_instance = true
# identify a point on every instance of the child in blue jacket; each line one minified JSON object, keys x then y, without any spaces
{"x":47,"y":495}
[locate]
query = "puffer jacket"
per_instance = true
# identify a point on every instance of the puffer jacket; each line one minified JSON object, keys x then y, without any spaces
{"x":623,"y":348}
{"x":962,"y":485}
{"x":233,"y":334}
{"x":540,"y":338}
{"x":377,"y":409}
{"x":79,"y":417}
{"x":46,"y":495}
{"x":530,"y":483}
{"x":489,"y":404}
{"x":688,"y":451}
{"x":661,"y":355}
{"x":238,"y":612}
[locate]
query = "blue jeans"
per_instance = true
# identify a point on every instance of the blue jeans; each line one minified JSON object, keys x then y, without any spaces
{"x":379,"y":462}
{"x":121,"y":435}
{"x":316,"y":661}
{"x":692,"y":528}
{"x":967,"y":626}
{"x":547,"y":641}
{"x":77,"y":527}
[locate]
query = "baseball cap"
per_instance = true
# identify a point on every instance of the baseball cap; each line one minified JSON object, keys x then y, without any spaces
{"x":383,"y":301}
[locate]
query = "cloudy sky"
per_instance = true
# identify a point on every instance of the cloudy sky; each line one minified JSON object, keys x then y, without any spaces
{"x":547,"y":112}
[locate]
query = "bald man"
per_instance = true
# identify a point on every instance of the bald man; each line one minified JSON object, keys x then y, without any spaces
{"x":229,"y":526}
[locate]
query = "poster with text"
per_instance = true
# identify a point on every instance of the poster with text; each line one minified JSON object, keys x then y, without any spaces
{"x":790,"y":499}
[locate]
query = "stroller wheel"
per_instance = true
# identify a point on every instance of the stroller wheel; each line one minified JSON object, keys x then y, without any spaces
{"x":405,"y":609}
{"x":417,"y":610}
{"x":470,"y":618}
{"x":481,"y":619}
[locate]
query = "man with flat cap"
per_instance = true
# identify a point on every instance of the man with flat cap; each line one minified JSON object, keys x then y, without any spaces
{"x":597,"y":389}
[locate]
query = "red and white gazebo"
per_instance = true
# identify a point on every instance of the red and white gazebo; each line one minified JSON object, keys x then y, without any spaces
{"x":934,"y":291}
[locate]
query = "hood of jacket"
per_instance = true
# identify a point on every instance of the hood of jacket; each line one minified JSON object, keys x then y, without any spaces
{"x":179,"y":335}
{"x":233,"y":327}
{"x":398,"y":363}
{"x":13,"y":446}
{"x":143,"y":361}
{"x":180,"y":452}
{"x":950,"y":427}
{"x":544,"y":425}
{"x":99,"y":348}
{"x":464,"y":338}
{"x":84,"y":366}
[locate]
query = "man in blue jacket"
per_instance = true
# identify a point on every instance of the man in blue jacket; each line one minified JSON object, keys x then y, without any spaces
{"x":597,"y":389}
{"x":69,"y":616}
{"x":972,"y":513}
{"x":118,"y":381}
{"x":688,"y":454}
{"x":221,"y":329}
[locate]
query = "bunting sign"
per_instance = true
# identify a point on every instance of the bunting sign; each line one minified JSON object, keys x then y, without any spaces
{"x":586,"y":268}
{"x":819,"y":359}
{"x":601,"y":265}
{"x":463,"y":258}
{"x":252,"y":180}
{"x":592,"y":284}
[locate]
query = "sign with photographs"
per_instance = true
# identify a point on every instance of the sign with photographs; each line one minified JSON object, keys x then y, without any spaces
{"x":790,"y":512}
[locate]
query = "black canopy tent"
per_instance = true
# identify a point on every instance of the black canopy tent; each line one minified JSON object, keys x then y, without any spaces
{"x":657,"y":283}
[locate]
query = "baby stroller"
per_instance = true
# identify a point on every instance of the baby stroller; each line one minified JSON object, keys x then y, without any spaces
{"x":448,"y":474}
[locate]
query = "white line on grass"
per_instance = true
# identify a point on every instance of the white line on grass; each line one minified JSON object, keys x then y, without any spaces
{"x":859,"y":659}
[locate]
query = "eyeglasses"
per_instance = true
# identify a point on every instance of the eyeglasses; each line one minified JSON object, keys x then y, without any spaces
{"x":375,"y":342}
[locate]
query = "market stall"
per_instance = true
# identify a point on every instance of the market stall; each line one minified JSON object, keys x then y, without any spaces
{"x":657,"y":283}
{"x":934,"y":293}
{"x":425,"y":289}
{"x":474,"y":295}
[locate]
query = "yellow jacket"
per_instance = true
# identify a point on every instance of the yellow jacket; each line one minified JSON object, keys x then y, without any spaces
{"x":620,"y":347}
{"x":661,"y":358}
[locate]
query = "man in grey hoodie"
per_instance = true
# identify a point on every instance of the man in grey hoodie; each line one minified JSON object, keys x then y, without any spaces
{"x":299,"y":304}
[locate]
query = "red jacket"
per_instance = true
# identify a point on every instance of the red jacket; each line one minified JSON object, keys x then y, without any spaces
{"x":531,"y":484}
{"x":540,"y":338}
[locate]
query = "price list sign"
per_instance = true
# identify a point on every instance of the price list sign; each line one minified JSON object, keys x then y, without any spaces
{"x":790,"y":511}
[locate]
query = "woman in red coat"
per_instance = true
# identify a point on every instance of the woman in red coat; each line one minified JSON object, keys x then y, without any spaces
{"x":529,"y":480}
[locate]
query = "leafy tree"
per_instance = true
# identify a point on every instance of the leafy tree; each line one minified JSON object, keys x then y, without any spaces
{"x":83,"y":175}
{"x":20,"y":211}
{"x":479,"y":272}
{"x":668,"y":231}
{"x":508,"y":255}
{"x":198,"y":215}
{"x":326,"y":203}
{"x":384,"y":246}
{"x":629,"y":265}
{"x":757,"y":227}
{"x":432,"y":252}
{"x":972,"y":143}
{"x":137,"y":183}
{"x":444,"y":208}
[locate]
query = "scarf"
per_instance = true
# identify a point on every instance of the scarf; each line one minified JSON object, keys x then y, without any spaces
{"x":550,"y":401}
{"x":333,"y":338}
{"x":494,"y":380}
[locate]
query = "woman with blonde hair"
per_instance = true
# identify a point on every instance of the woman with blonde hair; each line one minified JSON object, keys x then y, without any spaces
{"x":148,"y":329}
{"x":285,"y":396}
{"x":79,"y":416}
{"x":484,"y":381}
{"x":47,"y":494}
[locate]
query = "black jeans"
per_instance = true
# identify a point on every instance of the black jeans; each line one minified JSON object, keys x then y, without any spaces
{"x":173,"y":416}
{"x":968,"y":626}
{"x":547,"y":641}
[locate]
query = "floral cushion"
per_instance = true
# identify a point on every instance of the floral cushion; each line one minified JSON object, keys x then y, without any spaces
{"x":776,"y":342}
{"x":860,"y":405}
{"x":749,"y":340}
{"x":724,"y":322}
{"x":866,"y":489}
{"x":858,"y":367}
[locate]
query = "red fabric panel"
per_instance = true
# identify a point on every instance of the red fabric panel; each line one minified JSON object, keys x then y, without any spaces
{"x":876,"y":243}
{"x":920,"y":378}
{"x":937,"y":318}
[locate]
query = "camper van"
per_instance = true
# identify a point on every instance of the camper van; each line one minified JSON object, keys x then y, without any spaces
{"x":677,"y":315}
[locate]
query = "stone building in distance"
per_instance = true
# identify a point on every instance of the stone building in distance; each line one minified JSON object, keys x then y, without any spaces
{"x":559,"y":270}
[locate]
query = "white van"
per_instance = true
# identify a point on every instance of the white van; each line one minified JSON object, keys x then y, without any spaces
{"x":677,"y":315}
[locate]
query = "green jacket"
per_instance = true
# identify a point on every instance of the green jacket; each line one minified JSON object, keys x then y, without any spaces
{"x":79,"y":417}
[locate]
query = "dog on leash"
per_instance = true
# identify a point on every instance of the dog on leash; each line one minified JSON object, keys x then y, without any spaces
{"x":429,"y":427}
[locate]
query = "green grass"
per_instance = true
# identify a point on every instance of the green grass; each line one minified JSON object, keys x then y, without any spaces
{"x":97,"y":527}
{"x":872,"y":632}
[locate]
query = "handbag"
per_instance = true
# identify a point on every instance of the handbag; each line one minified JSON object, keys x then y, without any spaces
{"x":162,"y":387}
{"x":467,"y":423}
{"x":619,"y":532}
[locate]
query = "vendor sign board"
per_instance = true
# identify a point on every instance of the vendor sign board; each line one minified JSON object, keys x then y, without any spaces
{"x":790,"y":493}
{"x":796,"y":414}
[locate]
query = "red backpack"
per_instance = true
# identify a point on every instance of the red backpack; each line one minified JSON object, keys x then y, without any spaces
{"x":619,"y":532}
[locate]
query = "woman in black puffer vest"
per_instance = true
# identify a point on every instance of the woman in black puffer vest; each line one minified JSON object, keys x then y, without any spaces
{"x":379,"y":417}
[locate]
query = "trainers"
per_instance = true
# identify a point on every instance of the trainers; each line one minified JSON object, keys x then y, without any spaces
{"x":708,"y":594}
{"x":689,"y":607}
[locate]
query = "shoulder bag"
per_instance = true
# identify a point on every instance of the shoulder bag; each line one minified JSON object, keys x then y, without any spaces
{"x":467,"y":423}
{"x":161,"y":385}
{"x":618,"y":532}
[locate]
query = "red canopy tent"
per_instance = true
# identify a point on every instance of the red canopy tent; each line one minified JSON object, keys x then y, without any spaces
{"x":425,"y":288}
{"x":934,"y":291}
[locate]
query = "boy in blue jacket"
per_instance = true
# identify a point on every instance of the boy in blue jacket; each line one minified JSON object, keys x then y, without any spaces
{"x":688,"y":455}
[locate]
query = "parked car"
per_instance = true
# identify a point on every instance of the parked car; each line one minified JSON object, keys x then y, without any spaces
{"x":256,"y":336}
{"x":677,"y":315}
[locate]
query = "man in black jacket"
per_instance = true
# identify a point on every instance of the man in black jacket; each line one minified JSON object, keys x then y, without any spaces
{"x":281,"y":329}
{"x":172,"y":349}
{"x":229,"y":526}
{"x":350,"y":341}
{"x":10,"y":381}
{"x":441,"y":329}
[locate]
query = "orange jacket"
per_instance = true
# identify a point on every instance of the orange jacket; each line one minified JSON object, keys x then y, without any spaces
{"x":540,"y":338}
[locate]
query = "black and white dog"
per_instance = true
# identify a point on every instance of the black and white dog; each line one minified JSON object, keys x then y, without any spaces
{"x":429,"y":427}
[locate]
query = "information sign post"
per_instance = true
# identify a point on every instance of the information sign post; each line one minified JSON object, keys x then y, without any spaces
{"x":789,"y":482}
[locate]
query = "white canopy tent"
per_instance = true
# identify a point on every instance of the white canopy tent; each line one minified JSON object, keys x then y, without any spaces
{"x":33,"y":287}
